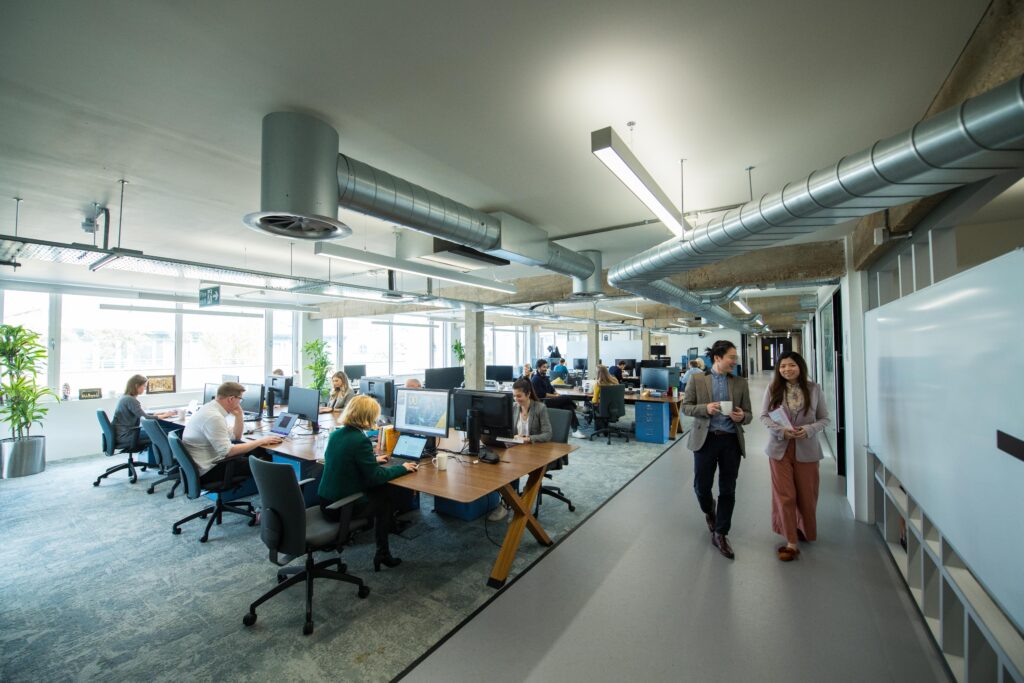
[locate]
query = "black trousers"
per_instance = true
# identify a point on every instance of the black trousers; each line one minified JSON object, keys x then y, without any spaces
{"x":721,"y":451}
{"x":226,"y":469}
{"x":565,"y":403}
{"x":377,"y":505}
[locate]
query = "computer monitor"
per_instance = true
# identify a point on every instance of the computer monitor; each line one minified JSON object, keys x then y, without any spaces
{"x":692,"y":353}
{"x":630,"y":364}
{"x":252,"y":399}
{"x":500,"y":373}
{"x":281,"y":386}
{"x":579,"y":363}
{"x":655,"y":363}
{"x":306,"y":404}
{"x":423,"y":412}
{"x":658,"y":349}
{"x":382,"y":389}
{"x":210,"y":392}
{"x":229,"y":378}
{"x":655,"y":378}
{"x":444,"y":378}
{"x":495,"y":408}
{"x":354,"y":372}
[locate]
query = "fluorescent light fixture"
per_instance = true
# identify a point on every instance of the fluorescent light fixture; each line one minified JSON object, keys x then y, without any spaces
{"x":625,"y":315}
{"x":742,"y":306}
{"x":613,"y":152}
{"x":393,"y":324}
{"x":380,"y":261}
{"x":157,"y":309}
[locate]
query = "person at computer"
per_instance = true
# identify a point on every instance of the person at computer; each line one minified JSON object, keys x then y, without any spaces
{"x":527,"y":371}
{"x":794,"y":451}
{"x":341,"y":393}
{"x":413,"y":383}
{"x":531,"y":415}
{"x":213,"y":445}
{"x":560,"y":371}
{"x":694,"y":369}
{"x":604,"y":378}
{"x":350,"y":467}
{"x":129,"y":412}
{"x":546,"y":392}
{"x":618,"y":370}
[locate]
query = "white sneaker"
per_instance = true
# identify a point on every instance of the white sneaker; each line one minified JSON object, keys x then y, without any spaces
{"x":578,"y":435}
{"x":498,"y":514}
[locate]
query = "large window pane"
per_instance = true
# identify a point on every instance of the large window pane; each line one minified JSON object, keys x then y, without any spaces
{"x":330,"y":335}
{"x":442,"y":352}
{"x":32,"y":311}
{"x":411,"y":344}
{"x":488,"y":344}
{"x":505,"y":347}
{"x":215,"y":345}
{"x":366,"y":344}
{"x":103,"y":348}
{"x":281,"y":352}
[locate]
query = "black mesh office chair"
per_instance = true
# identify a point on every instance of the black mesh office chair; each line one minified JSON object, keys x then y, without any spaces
{"x":611,"y":406}
{"x":110,"y":449}
{"x":560,"y":422}
{"x":168,"y":467}
{"x":193,"y":489}
{"x":289,"y":530}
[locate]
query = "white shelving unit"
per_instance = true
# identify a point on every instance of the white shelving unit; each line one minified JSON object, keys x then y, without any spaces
{"x":979,"y":642}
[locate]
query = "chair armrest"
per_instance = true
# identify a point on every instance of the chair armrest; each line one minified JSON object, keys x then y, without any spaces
{"x":338,"y":504}
{"x":306,"y":481}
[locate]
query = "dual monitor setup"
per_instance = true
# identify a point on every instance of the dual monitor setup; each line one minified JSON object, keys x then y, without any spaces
{"x":304,"y":403}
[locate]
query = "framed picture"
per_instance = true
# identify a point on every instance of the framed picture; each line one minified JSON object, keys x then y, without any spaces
{"x":85,"y":394}
{"x":160,"y":384}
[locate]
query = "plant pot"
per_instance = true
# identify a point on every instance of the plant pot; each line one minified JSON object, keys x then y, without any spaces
{"x":22,"y":457}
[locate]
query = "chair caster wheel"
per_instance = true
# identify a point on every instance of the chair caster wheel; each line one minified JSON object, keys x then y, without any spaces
{"x":572,"y":508}
{"x":204,"y":516}
{"x":150,"y":491}
{"x":252,"y":522}
{"x":249,"y":619}
{"x":204,"y":539}
{"x":280,"y":578}
{"x":363,"y":591}
{"x":307,"y":628}
{"x":170,"y":495}
{"x":176,"y":531}
{"x":342,"y":567}
{"x":96,"y":483}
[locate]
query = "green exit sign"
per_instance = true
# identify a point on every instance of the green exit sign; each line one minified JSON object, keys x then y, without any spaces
{"x":209,"y":296}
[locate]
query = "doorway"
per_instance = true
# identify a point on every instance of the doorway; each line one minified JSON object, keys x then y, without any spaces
{"x":772,"y":348}
{"x":832,"y":384}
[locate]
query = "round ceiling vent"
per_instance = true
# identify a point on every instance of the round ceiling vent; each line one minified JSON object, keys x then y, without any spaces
{"x":296,"y":226}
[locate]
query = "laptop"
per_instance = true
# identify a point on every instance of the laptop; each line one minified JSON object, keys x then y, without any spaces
{"x":409,"y":447}
{"x":283,"y":424}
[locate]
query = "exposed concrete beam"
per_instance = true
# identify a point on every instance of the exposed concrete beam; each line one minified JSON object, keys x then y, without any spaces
{"x":994,"y":54}
{"x":811,"y":261}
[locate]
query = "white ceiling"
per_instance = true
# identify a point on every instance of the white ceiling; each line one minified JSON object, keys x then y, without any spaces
{"x":490,"y":105}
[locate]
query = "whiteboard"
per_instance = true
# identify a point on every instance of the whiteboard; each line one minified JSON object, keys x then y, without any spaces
{"x":945,"y":370}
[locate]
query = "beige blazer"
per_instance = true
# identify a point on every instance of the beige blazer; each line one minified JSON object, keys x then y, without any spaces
{"x":695,"y":404}
{"x":814,"y":420}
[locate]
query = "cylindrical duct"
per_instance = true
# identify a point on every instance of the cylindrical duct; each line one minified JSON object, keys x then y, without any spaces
{"x":298,"y":179}
{"x":591,"y":286}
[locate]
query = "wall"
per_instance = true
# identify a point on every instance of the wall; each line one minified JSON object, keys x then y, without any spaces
{"x":678,"y":344}
{"x":609,"y":350}
{"x":979,"y":243}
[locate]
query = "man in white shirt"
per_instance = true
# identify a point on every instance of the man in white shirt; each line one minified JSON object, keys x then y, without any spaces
{"x":212,"y":444}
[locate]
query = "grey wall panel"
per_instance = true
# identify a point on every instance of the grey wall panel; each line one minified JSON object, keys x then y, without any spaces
{"x":944,"y":373}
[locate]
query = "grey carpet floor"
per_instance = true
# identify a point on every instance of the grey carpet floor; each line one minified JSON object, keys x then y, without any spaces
{"x":95,"y":587}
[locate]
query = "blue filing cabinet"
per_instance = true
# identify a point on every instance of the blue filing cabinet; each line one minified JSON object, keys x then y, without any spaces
{"x":467,"y":511}
{"x":652,"y":421}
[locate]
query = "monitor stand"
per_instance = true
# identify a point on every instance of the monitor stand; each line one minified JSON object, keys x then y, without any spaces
{"x":473,"y":438}
{"x":430,"y":447}
{"x":314,"y":425}
{"x":271,"y":396}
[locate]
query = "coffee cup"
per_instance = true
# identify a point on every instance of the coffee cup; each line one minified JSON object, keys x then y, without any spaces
{"x":726,"y":407}
{"x":441,"y":461}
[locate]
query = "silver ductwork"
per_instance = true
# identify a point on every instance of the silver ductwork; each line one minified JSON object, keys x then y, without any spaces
{"x":591,"y":287}
{"x":978,"y":139}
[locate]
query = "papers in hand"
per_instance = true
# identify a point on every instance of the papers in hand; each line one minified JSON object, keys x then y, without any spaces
{"x":779,"y":417}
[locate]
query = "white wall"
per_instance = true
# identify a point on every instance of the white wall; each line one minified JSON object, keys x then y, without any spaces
{"x":609,"y":350}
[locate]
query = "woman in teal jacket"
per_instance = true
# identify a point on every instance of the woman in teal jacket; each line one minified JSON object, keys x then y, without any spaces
{"x":351,"y":467}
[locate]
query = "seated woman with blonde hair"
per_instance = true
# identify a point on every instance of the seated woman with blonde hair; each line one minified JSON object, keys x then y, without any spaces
{"x":351,"y":467}
{"x":341,"y":393}
{"x":604,"y":378}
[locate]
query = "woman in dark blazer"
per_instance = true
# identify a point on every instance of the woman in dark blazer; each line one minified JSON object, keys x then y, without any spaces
{"x":794,"y":451}
{"x":351,"y":467}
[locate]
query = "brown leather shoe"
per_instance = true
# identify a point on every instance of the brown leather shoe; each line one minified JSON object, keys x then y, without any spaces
{"x":787,"y":554}
{"x":722,"y":543}
{"x":709,"y":517}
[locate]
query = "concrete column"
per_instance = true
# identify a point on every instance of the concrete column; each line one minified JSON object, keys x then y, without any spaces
{"x":854,"y":288}
{"x":475,"y":359}
{"x":309,"y":330}
{"x":645,"y":344}
{"x":593,"y":349}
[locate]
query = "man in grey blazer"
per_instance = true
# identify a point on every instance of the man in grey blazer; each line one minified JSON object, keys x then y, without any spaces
{"x":716,"y":439}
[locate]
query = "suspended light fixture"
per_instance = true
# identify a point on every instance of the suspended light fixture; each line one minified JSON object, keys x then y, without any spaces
{"x":742,"y":306}
{"x":613,"y":152}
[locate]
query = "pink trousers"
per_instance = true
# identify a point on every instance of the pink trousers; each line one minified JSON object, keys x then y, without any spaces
{"x":794,"y":496}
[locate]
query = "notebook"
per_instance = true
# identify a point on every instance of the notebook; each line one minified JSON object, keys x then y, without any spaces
{"x":409,"y":447}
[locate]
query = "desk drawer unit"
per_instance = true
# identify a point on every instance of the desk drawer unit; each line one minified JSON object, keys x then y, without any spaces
{"x":652,"y":422}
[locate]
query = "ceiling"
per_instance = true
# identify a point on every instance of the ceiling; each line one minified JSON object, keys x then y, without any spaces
{"x":489,"y":105}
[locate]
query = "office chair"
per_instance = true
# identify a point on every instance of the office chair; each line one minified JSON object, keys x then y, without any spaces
{"x":560,"y":421}
{"x":610,"y":407}
{"x":289,"y":530}
{"x":168,"y":467}
{"x":193,"y":489}
{"x":110,"y":450}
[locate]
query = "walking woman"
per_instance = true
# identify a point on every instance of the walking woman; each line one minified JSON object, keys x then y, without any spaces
{"x":794,"y":451}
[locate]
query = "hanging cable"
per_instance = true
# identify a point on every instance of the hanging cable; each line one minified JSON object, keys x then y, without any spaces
{"x":120,"y":212}
{"x":17,"y":213}
{"x":682,"y":187}
{"x":750,"y":182}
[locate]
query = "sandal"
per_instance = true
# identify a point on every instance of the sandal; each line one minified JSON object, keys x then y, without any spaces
{"x":787,"y":554}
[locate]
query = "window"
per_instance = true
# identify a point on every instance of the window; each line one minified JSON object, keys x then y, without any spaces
{"x":366,"y":344}
{"x":505,"y":346}
{"x":489,"y":344}
{"x":410,"y":344}
{"x":330,"y":335}
{"x":103,"y":347}
{"x":215,"y":345}
{"x":442,"y":347}
{"x":281,"y":348}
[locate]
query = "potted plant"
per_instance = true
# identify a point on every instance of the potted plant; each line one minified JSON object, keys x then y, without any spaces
{"x":319,"y":363}
{"x":21,"y":359}
{"x":459,"y":350}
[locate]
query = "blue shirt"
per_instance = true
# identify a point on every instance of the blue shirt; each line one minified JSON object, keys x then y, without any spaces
{"x":560,"y":371}
{"x":720,"y":392}
{"x":616,"y":372}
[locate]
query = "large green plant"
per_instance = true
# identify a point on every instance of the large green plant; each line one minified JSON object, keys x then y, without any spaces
{"x":21,"y":360}
{"x":319,"y":362}
{"x":459,"y":350}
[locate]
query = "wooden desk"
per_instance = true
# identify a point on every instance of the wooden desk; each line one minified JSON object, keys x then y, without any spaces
{"x":674,"y":402}
{"x":465,"y":482}
{"x":299,"y":446}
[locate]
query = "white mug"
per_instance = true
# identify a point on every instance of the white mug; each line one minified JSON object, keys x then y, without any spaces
{"x":726,"y":407}
{"x":441,"y":461}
